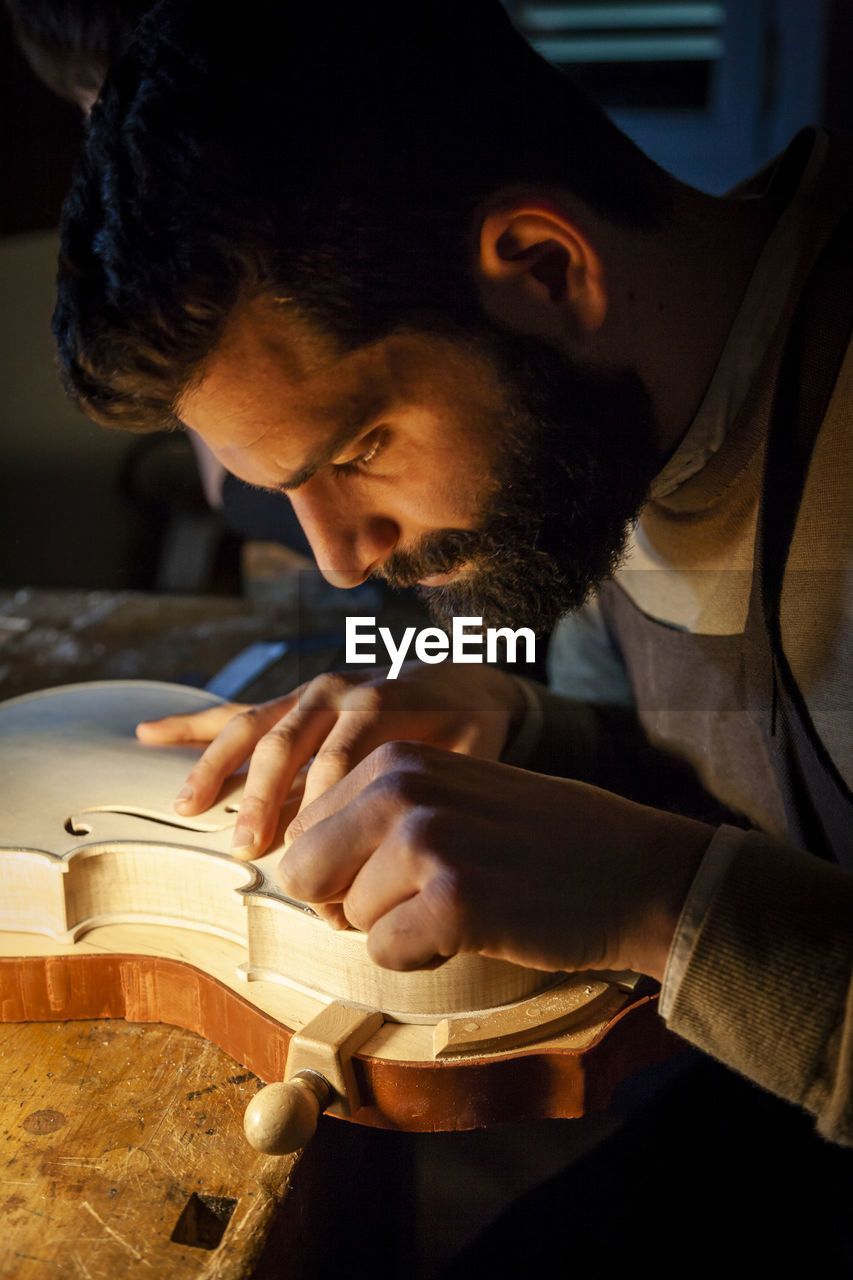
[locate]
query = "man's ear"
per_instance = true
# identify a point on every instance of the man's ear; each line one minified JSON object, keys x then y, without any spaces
{"x":539,"y":274}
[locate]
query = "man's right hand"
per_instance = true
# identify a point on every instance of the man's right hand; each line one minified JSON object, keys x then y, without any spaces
{"x":337,"y":719}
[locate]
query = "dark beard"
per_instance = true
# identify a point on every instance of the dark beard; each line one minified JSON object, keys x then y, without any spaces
{"x":572,"y":475}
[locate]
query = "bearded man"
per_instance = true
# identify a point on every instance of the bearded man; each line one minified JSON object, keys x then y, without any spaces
{"x":401,"y":271}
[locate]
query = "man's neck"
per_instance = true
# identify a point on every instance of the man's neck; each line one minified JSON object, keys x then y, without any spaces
{"x":677,"y":290}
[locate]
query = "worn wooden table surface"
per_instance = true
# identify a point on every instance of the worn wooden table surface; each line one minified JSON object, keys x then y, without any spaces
{"x":123,"y":1152}
{"x":51,"y":638}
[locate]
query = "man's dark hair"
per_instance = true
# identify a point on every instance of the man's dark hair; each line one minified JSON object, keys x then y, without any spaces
{"x":331,"y":154}
{"x":70,"y":44}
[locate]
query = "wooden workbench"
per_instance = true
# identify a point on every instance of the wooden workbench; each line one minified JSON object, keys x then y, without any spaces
{"x":123,"y":1154}
{"x":122,"y":1151}
{"x":50,"y":638}
{"x":123,"y":1148}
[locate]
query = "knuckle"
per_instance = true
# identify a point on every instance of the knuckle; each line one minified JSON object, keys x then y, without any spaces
{"x":399,"y":788}
{"x":226,"y":710}
{"x":332,"y":758}
{"x":443,"y":904}
{"x":282,"y":734}
{"x":385,"y":757}
{"x":368,"y":698}
{"x":297,"y":827}
{"x":246,"y":720}
{"x":397,"y":756}
{"x":326,"y":689}
{"x":275,"y":743}
{"x":419,"y":829}
{"x":251,"y":806}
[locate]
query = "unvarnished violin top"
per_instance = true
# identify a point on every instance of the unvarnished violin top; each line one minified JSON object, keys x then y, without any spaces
{"x":88,"y":836}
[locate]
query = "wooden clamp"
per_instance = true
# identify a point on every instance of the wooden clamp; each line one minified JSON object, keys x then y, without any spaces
{"x":319,"y":1077}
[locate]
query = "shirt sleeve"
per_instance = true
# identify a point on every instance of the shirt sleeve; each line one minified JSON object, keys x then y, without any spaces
{"x":760,"y":974}
{"x":711,"y":871}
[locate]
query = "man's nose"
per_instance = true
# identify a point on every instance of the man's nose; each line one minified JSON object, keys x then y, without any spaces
{"x":347,"y":544}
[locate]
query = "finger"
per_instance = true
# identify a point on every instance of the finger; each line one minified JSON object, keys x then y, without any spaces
{"x":288,"y":812}
{"x":406,"y":872}
{"x":389,"y":760}
{"x":360,"y":728}
{"x":286,"y":747}
{"x":332,"y":913}
{"x":399,"y":868}
{"x":232,"y":745}
{"x":320,"y":865}
{"x":201,"y":726}
{"x":365,"y":725}
{"x":405,"y":937}
{"x":277,"y":758}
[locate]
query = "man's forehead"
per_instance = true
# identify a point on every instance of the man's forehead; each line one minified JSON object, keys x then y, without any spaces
{"x":268,"y":356}
{"x":268,"y":335}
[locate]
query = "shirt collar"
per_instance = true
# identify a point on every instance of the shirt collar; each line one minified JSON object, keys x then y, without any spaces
{"x":755,"y":321}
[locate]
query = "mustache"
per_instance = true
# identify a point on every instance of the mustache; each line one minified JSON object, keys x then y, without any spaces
{"x":444,"y":551}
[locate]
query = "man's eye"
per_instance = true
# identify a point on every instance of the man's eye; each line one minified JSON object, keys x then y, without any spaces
{"x":375,"y":444}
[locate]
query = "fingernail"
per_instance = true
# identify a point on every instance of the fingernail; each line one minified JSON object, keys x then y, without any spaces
{"x":185,"y":793}
{"x":243,"y":838}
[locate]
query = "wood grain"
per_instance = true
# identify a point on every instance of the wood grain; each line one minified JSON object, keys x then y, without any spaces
{"x":123,"y":1153}
{"x":565,"y":1075}
{"x":88,"y":837}
{"x":116,"y":919}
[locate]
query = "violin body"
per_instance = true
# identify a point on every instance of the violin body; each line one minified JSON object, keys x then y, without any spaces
{"x":115,"y":907}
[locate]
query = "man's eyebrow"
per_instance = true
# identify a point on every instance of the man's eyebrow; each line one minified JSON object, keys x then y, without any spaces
{"x":323,"y":457}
